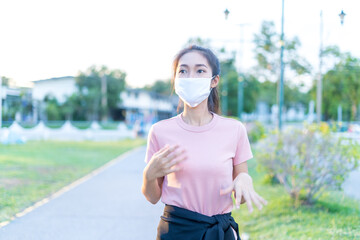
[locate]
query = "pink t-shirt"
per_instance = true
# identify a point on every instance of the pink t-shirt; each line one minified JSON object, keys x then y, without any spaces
{"x":212,"y":149}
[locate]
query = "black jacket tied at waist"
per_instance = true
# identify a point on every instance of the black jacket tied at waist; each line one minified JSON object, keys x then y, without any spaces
{"x":179,"y":223}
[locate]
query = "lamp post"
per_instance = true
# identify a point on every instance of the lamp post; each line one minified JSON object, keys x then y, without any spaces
{"x":0,"y":103}
{"x":104,"y":97}
{"x":342,"y":15}
{"x":281,"y":83}
{"x":240,"y":96}
{"x":240,"y":78}
{"x":224,"y":91}
{"x":226,"y":12}
{"x":319,"y":82}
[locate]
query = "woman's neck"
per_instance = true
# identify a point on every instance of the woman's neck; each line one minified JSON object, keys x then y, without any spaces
{"x":197,"y":116}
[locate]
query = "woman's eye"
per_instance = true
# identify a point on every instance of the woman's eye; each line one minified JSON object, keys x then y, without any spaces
{"x":181,"y":71}
{"x":200,"y":71}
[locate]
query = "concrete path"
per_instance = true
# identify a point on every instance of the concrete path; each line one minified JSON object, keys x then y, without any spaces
{"x":108,"y":206}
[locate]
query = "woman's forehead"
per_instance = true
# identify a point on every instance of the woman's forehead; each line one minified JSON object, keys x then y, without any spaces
{"x":193,"y":58}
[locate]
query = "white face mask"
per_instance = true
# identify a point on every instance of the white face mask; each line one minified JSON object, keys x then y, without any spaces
{"x":193,"y":90}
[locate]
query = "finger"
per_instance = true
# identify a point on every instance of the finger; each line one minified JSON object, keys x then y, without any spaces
{"x":227,"y":190}
{"x":166,"y":146}
{"x":176,"y":161}
{"x":248,"y":200}
{"x":171,"y":170}
{"x":162,"y":149}
{"x":262,"y":200}
{"x":174,"y":156}
{"x":168,"y":150}
{"x":238,"y":194}
{"x":255,"y":200}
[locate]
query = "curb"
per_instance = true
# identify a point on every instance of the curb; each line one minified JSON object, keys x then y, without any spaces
{"x":71,"y":185}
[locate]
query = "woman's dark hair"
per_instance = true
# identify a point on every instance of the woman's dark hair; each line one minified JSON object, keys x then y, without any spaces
{"x":213,"y":100}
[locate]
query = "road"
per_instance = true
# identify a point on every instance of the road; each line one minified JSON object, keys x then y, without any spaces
{"x":109,"y":205}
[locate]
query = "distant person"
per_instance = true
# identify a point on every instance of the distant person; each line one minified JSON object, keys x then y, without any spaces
{"x":136,"y":128}
{"x":195,"y":160}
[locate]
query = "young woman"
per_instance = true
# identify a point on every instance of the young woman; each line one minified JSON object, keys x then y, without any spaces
{"x":196,"y":159}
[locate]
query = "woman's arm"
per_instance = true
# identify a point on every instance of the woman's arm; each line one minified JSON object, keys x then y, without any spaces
{"x":151,"y":188}
{"x":244,"y":189}
{"x":242,"y":167}
{"x":161,"y":163}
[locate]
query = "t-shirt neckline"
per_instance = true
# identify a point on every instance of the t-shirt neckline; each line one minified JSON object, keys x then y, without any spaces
{"x":193,"y":128}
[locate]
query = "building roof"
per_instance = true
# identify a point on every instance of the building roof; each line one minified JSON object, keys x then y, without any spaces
{"x":56,"y":78}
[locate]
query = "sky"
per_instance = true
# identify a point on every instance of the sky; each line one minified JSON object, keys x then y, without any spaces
{"x":46,"y":39}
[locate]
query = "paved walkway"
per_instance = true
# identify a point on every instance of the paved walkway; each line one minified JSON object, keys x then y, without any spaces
{"x":108,"y":206}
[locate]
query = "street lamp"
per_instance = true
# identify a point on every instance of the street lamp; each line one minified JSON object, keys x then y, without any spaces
{"x":226,"y":12}
{"x":104,"y":97}
{"x":342,"y":15}
{"x":240,"y":96}
{"x":0,"y":103}
{"x":224,"y":91}
{"x":240,"y":81}
{"x":281,"y":84}
{"x":319,"y":81}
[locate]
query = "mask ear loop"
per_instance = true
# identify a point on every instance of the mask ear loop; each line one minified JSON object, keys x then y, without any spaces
{"x":212,"y":78}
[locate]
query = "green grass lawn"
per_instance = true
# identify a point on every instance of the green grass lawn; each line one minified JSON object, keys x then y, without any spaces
{"x":334,"y":216}
{"x":32,"y":171}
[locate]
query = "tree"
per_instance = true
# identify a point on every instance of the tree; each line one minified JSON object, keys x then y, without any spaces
{"x":229,"y":76}
{"x":72,"y":109}
{"x":267,"y":54}
{"x":90,"y":94}
{"x":53,"y":109}
{"x":308,"y":160}
{"x":160,"y":87}
{"x":251,"y":93}
{"x":5,"y":81}
{"x":268,"y":92}
{"x":341,"y":84}
{"x":206,"y":43}
{"x":349,"y":70}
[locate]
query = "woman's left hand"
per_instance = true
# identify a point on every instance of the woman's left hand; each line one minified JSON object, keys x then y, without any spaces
{"x":243,"y":187}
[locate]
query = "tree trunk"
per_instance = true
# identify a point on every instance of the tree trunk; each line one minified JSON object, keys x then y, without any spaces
{"x":353,"y":111}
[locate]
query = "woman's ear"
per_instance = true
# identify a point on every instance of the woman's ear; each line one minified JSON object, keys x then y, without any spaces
{"x":215,"y":81}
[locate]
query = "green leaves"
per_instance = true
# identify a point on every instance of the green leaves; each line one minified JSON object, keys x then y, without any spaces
{"x":267,"y":52}
{"x":309,"y":159}
{"x":160,"y":87}
{"x":87,"y":101}
{"x":341,"y":84}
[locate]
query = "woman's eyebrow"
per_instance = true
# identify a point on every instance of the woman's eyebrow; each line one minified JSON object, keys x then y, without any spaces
{"x":196,"y":65}
{"x":201,"y":65}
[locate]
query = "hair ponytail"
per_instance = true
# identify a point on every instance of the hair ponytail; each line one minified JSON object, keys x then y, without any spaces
{"x":213,"y":99}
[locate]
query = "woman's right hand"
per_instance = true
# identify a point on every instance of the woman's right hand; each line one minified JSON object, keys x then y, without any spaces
{"x":164,"y":162}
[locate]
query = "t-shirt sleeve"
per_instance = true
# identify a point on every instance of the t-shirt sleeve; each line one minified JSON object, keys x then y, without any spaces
{"x":152,"y":144}
{"x":243,"y":149}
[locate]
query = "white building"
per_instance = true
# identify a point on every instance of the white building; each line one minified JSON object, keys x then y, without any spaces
{"x":60,"y":88}
{"x":135,"y":103}
{"x":6,"y":96}
{"x":9,"y":92}
{"x":147,"y":107}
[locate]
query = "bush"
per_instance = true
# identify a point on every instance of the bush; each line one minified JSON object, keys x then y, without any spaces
{"x":256,"y":131}
{"x":309,"y":160}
